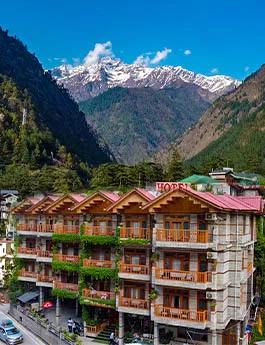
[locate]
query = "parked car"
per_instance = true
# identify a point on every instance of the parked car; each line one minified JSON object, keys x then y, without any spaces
{"x":6,"y":323}
{"x":10,"y":334}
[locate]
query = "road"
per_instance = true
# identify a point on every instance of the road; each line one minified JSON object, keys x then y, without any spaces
{"x":29,"y":338}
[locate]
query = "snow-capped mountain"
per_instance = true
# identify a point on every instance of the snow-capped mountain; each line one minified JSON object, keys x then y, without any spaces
{"x":85,"y":82}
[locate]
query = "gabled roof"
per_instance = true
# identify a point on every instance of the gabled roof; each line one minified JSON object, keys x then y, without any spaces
{"x":43,"y":203}
{"x":72,"y":197}
{"x":25,"y":204}
{"x":222,"y":202}
{"x":105,"y":195}
{"x":143,"y":194}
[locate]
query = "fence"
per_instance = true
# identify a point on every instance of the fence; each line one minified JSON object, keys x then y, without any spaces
{"x":46,"y":331}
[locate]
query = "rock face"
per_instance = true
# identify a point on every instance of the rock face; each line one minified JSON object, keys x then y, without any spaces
{"x":84,"y":82}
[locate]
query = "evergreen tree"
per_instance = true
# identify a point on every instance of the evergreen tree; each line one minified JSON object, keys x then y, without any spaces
{"x":175,"y":168}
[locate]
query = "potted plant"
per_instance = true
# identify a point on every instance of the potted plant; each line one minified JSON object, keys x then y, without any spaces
{"x":153,"y":294}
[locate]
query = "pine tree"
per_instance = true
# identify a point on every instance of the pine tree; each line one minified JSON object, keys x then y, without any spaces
{"x":175,"y":168}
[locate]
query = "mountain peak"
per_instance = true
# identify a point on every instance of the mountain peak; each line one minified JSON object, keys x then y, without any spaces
{"x":87,"y":81}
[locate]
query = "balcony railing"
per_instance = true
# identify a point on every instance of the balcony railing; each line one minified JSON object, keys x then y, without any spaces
{"x":90,"y":230}
{"x":35,"y":227}
{"x":178,"y":235}
{"x":181,"y":314}
{"x":25,"y":250}
{"x":97,"y":263}
{"x":134,"y":269}
{"x":45,"y":279}
{"x":46,"y":228}
{"x":66,"y":229}
{"x":136,"y":233}
{"x":27,"y":227}
{"x":28,"y":274}
{"x":98,"y":328}
{"x":66,"y":258}
{"x":65,"y":286}
{"x":44,"y":253}
{"x":133,"y":303}
{"x":186,"y":276}
{"x":104,"y":295}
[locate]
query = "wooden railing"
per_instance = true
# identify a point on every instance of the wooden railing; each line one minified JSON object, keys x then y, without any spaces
{"x":178,"y":235}
{"x":181,"y":314}
{"x":44,"y":253}
{"x":87,"y":293}
{"x":46,"y":228}
{"x":137,"y":233}
{"x":27,"y":227}
{"x":35,"y":227}
{"x":97,"y":263}
{"x":66,"y":229}
{"x":187,"y":276}
{"x":133,"y":303}
{"x":65,"y":286}
{"x":134,"y":269}
{"x":25,"y":250}
{"x":24,"y":273}
{"x":66,"y":258}
{"x":98,"y":328}
{"x":90,"y":230}
{"x":45,"y":279}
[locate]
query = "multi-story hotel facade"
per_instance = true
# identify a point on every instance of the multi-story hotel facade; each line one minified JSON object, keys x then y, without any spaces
{"x":172,"y":265}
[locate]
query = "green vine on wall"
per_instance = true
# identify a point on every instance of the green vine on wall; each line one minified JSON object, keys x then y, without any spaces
{"x":63,"y":293}
{"x":65,"y":266}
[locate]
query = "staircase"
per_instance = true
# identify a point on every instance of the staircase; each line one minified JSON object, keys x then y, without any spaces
{"x":103,"y":336}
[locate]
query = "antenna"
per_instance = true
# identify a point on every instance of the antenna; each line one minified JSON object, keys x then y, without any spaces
{"x":24,"y":116}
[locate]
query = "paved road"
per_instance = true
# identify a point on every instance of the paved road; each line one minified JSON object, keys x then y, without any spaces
{"x":29,"y":338}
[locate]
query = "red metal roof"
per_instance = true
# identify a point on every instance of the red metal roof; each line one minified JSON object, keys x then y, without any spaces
{"x":110,"y":195}
{"x":146,"y":193}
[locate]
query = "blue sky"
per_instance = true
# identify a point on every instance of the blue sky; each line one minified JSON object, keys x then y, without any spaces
{"x":206,"y":36}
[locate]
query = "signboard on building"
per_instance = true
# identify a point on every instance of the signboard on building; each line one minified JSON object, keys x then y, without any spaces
{"x":168,"y":186}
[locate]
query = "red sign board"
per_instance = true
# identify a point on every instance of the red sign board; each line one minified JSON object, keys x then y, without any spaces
{"x":168,"y":186}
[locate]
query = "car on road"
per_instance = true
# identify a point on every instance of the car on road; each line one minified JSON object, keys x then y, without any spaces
{"x":9,"y":334}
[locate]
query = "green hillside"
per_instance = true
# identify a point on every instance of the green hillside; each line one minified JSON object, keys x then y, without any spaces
{"x":135,"y":123}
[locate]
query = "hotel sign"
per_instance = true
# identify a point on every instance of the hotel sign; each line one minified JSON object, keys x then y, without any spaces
{"x":168,"y":186}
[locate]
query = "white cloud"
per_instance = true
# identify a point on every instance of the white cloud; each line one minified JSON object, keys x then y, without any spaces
{"x":160,"y":55}
{"x":187,"y":52}
{"x":146,"y":60}
{"x":76,"y":61}
{"x":63,"y":60}
{"x":142,"y":60}
{"x":246,"y":69}
{"x":100,"y":50}
{"x":215,"y":70}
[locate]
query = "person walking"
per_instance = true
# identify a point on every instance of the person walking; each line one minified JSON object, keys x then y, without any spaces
{"x":70,"y":325}
{"x":112,"y":338}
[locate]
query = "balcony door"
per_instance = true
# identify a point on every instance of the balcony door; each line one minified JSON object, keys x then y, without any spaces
{"x":201,"y":301}
{"x":30,"y":243}
{"x":134,"y":292}
{"x":202,"y":263}
{"x":137,"y":227}
{"x":178,"y":228}
{"x":103,"y":225}
{"x":177,"y":262}
{"x":176,"y":299}
{"x":135,"y":257}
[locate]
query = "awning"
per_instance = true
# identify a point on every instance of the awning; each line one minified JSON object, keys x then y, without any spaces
{"x":28,"y":296}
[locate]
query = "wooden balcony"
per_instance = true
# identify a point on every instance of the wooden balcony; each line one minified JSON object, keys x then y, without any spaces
{"x":179,"y":235}
{"x":46,"y":228}
{"x":65,"y":286}
{"x":134,"y":269}
{"x":180,"y":314}
{"x":27,"y":227}
{"x":97,"y":263}
{"x":44,"y":253}
{"x":90,"y":230}
{"x":104,"y":295}
{"x":66,"y":229}
{"x":66,"y":258}
{"x":134,"y":303}
{"x":135,"y":233}
{"x":97,"y":328}
{"x":186,"y":276}
{"x":45,"y":279}
{"x":27,"y":274}
{"x":28,"y":251}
